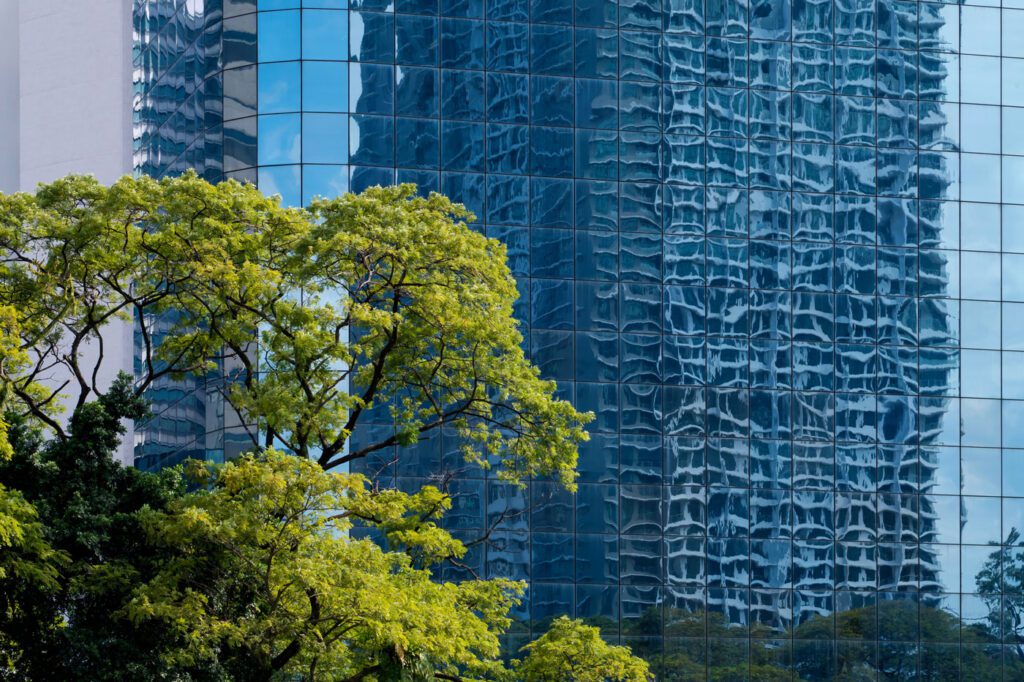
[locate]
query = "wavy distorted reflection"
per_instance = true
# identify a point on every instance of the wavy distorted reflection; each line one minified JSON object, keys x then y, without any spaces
{"x":762,"y":242}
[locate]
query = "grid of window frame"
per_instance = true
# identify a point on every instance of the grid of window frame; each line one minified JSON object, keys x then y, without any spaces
{"x":181,"y":95}
{"x":774,"y":245}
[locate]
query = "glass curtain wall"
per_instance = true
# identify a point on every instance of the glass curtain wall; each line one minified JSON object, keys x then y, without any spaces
{"x":189,"y":75}
{"x":777,"y":246}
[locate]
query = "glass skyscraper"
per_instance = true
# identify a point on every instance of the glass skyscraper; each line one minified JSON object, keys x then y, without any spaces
{"x":777,"y":246}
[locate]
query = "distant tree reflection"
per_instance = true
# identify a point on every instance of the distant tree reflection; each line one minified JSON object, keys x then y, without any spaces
{"x":895,"y":641}
{"x":1000,"y":584}
{"x":898,"y":638}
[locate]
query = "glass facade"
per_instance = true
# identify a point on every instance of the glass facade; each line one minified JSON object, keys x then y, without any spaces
{"x":189,"y":74}
{"x":777,"y":246}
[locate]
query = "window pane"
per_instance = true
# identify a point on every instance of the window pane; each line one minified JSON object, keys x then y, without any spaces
{"x":278,"y":36}
{"x":279,"y":88}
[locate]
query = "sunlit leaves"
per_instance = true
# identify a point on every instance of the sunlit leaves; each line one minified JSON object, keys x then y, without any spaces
{"x":381,"y":303}
{"x":265,"y":577}
{"x":570,"y":650}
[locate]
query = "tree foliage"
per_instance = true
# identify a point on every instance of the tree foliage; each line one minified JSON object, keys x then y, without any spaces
{"x":253,"y":575}
{"x":383,"y":302}
{"x":68,"y":626}
{"x":570,"y":650}
{"x":265,"y":580}
{"x":28,"y":566}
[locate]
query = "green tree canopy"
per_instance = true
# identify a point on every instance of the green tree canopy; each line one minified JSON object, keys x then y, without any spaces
{"x":28,"y":566}
{"x":265,"y":580}
{"x":253,"y":575}
{"x":570,"y":650}
{"x":383,"y":304}
{"x":380,"y":302}
{"x":67,"y":626}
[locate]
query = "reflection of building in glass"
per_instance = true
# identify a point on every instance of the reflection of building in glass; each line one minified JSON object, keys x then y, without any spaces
{"x":184,"y":86}
{"x":774,"y":245}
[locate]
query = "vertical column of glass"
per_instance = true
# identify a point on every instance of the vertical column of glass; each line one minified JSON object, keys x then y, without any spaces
{"x":181,"y":96}
{"x":990,"y":456}
{"x":179,"y":87}
{"x":303,"y":98}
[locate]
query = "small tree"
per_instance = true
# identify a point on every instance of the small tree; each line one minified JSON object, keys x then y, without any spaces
{"x":570,"y":650}
{"x":1000,"y":582}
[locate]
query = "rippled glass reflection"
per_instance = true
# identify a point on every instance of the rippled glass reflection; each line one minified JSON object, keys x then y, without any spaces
{"x":197,"y":92}
{"x":775,"y":246}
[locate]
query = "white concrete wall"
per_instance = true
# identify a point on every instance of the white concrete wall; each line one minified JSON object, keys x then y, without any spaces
{"x":9,"y":97}
{"x":74,"y":110}
{"x":75,"y":89}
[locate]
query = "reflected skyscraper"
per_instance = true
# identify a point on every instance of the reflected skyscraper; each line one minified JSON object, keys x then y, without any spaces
{"x":775,"y":245}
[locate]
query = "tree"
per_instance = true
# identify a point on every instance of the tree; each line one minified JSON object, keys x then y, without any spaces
{"x":28,"y":566}
{"x":381,"y":303}
{"x":570,"y":650}
{"x":252,"y":575}
{"x":1000,"y":582}
{"x":265,"y":581}
{"x":69,"y":627}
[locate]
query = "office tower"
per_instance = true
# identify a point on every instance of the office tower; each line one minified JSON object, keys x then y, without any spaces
{"x":776,"y":246}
